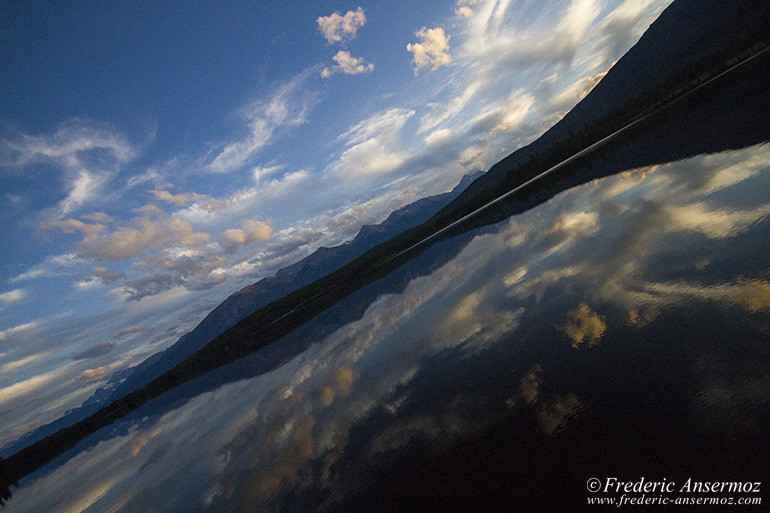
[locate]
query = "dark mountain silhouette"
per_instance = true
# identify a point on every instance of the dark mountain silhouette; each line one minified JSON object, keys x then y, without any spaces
{"x":690,"y":41}
{"x":244,"y":302}
{"x":320,"y":263}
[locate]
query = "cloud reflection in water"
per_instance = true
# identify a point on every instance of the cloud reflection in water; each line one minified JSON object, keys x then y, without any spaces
{"x":503,"y":335}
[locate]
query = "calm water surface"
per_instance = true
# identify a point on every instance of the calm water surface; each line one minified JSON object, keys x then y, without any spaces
{"x":620,"y":329}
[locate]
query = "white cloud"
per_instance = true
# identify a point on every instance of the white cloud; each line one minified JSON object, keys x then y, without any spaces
{"x":257,"y":230}
{"x":249,"y":198}
{"x":439,"y":137}
{"x":53,"y":265}
{"x":541,"y":40}
{"x":178,"y":200}
{"x":579,"y":16}
{"x":127,"y":241}
{"x":261,"y":172}
{"x":337,"y":28}
{"x":30,"y":275}
{"x":464,"y":11}
{"x":150,"y":175}
{"x":507,"y":115}
{"x":252,"y":231}
{"x":520,"y":67}
{"x":243,"y":269}
{"x":26,"y":387}
{"x":374,"y":145}
{"x":12,"y":366}
{"x":432,"y":50}
{"x":87,"y":284}
{"x":12,"y":296}
{"x":445,"y":110}
{"x":72,"y":226}
{"x":18,"y":329}
{"x":82,"y":188}
{"x":347,"y":64}
{"x":288,"y":107}
{"x":472,"y":158}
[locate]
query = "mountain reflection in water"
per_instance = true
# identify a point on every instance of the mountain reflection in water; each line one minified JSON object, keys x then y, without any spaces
{"x":620,"y":329}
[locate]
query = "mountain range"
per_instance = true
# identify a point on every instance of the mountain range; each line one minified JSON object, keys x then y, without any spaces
{"x":692,"y":41}
{"x":250,"y":298}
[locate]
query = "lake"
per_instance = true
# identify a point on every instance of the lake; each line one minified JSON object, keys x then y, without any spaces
{"x":620,"y":329}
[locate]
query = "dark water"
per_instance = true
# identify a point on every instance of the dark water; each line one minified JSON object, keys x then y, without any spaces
{"x":619,"y":330}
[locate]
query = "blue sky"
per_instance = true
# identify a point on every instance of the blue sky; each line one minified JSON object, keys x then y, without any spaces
{"x":156,"y":158}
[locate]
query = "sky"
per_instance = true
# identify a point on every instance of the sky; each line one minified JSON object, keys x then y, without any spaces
{"x":154,"y":159}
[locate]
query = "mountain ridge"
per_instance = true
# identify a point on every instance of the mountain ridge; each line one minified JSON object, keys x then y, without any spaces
{"x":243,"y":302}
{"x":687,"y":33}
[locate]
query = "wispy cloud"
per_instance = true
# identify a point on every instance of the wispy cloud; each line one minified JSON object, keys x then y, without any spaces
{"x":242,"y":202}
{"x":623,"y":26}
{"x":26,"y":387}
{"x":37,"y":272}
{"x":89,"y":153}
{"x":131,"y":330}
{"x":72,"y":226}
{"x":516,"y":70}
{"x":99,"y":217}
{"x":374,"y":145}
{"x":287,"y":107}
{"x":262,"y":172}
{"x":23,"y":362}
{"x":12,"y":296}
{"x":82,"y":188}
{"x":162,"y":193}
{"x":538,"y":41}
{"x":68,"y":145}
{"x":5,"y":334}
{"x":51,"y":266}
